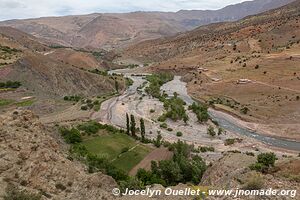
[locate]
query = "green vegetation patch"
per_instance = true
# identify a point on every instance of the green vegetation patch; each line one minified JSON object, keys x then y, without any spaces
{"x":5,"y":102}
{"x":10,"y":85}
{"x":156,"y":81}
{"x":201,"y":111}
{"x":174,"y":109}
{"x":25,"y":103}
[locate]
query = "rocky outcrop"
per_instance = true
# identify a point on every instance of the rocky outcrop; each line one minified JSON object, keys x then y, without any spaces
{"x":32,"y":159}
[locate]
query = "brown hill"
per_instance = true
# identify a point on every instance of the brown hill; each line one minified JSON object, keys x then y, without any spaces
{"x":48,"y":74}
{"x":251,"y":64}
{"x":119,"y":30}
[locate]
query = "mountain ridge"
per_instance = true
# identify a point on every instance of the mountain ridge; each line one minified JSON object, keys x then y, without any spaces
{"x":115,"y":30}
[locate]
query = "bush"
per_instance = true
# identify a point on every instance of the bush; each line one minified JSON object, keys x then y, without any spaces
{"x":75,"y":98}
{"x":264,"y":162}
{"x":169,"y":129}
{"x":163,"y":125}
{"x":206,"y":149}
{"x":90,"y":127}
{"x":179,"y":134}
{"x":152,"y":110}
{"x":211,"y":131}
{"x":244,"y":110}
{"x":267,"y":159}
{"x":10,"y":84}
{"x":229,"y":141}
{"x":71,"y":136}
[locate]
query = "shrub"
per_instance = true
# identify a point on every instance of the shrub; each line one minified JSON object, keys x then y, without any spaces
{"x":90,"y":127}
{"x":10,"y":84}
{"x":211,"y":131}
{"x":179,"y":134}
{"x":71,"y":136}
{"x":264,"y":162}
{"x":206,"y":149}
{"x":163,"y":125}
{"x":170,"y":129}
{"x":229,"y":141}
{"x":152,"y":110}
{"x":244,"y":110}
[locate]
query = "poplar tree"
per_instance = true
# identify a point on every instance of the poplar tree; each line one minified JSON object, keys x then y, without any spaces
{"x":142,"y":126}
{"x":132,"y":126}
{"x":127,"y":124}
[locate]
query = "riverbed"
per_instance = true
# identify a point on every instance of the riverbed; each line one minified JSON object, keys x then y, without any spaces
{"x":140,"y":104}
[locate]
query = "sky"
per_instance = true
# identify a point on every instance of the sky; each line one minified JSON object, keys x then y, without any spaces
{"x":21,"y":9}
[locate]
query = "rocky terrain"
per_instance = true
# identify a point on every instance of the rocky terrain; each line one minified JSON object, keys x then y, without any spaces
{"x":35,"y":159}
{"x":120,"y":30}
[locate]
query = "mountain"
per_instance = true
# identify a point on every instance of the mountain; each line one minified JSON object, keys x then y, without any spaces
{"x":251,"y":64}
{"x":120,"y":30}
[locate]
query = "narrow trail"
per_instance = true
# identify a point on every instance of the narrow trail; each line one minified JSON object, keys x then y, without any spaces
{"x":120,"y":155}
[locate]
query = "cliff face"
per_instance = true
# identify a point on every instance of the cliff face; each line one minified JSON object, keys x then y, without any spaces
{"x":32,"y":159}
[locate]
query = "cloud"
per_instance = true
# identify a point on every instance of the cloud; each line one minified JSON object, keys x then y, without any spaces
{"x":20,"y":9}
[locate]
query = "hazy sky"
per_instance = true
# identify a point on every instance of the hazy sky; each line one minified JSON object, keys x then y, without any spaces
{"x":16,"y":9}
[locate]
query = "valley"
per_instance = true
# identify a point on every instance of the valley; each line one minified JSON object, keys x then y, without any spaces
{"x":104,"y":102}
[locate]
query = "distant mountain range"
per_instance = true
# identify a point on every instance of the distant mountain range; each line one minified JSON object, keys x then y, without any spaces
{"x":120,"y":30}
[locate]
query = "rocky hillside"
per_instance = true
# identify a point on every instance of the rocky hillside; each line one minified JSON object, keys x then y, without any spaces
{"x":50,"y":71}
{"x":119,"y":30}
{"x":33,"y":159}
{"x":218,"y":36}
{"x":232,"y":171}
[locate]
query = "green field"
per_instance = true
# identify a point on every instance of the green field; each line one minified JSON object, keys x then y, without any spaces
{"x":5,"y":102}
{"x":25,"y":103}
{"x":111,"y":145}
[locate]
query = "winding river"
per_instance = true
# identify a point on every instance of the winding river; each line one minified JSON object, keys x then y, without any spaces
{"x":179,"y":87}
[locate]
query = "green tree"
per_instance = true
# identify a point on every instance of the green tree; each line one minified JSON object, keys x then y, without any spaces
{"x":127,"y":124}
{"x":142,"y":126}
{"x":117,"y":86}
{"x":132,"y":126}
{"x":157,"y":142}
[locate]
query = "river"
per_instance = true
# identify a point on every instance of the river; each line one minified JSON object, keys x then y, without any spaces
{"x":224,"y":121}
